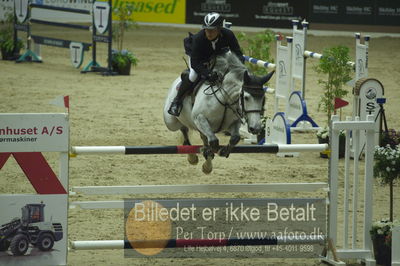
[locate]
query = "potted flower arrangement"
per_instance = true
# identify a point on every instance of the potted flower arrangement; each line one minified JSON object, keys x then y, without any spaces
{"x":9,"y":48}
{"x":387,"y":169}
{"x":334,"y":64}
{"x":323,"y":137}
{"x":381,"y":234}
{"x":122,"y":59}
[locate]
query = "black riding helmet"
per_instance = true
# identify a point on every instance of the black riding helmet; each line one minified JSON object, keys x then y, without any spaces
{"x":213,"y":21}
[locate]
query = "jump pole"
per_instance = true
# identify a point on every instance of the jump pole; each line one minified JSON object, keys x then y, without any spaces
{"x":186,"y":149}
{"x":200,"y":188}
{"x":180,"y":243}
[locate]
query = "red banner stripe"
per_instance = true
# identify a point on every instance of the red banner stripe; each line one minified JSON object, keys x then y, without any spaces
{"x":187,"y":149}
{"x":37,"y":170}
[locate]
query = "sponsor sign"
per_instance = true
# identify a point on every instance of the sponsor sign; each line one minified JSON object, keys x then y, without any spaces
{"x":34,"y":132}
{"x":159,"y":11}
{"x":257,"y":14}
{"x":370,"y":91}
{"x":366,"y":12}
{"x":40,"y":214}
{"x":387,"y":12}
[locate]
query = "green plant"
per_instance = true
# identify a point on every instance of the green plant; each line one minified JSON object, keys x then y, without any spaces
{"x":124,"y":22}
{"x":257,"y":46}
{"x":122,"y":58}
{"x":334,"y":63}
{"x":387,"y":163}
{"x":7,"y":44}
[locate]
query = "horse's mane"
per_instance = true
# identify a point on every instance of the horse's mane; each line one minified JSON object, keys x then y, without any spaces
{"x":231,"y":62}
{"x":229,"y":66}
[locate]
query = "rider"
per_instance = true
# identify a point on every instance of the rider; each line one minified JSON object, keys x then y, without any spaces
{"x":212,"y":40}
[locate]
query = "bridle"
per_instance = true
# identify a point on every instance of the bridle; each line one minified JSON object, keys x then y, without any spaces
{"x":237,"y":106}
{"x":254,"y":91}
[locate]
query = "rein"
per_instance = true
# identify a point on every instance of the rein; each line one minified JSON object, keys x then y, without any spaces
{"x":231,"y":105}
{"x":239,"y":111}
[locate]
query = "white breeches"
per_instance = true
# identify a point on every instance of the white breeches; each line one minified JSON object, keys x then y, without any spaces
{"x":192,"y":74}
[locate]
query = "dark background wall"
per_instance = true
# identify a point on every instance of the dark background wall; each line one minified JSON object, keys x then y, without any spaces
{"x":275,"y":13}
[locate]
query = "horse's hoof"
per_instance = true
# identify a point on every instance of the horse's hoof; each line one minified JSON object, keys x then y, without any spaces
{"x":193,"y":159}
{"x":223,"y":152}
{"x":206,"y":168}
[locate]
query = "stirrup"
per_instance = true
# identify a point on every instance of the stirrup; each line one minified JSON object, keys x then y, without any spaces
{"x":175,"y":108}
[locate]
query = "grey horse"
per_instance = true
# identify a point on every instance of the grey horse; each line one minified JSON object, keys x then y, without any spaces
{"x":236,"y":98}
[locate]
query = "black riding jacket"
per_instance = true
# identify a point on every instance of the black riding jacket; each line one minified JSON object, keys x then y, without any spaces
{"x":202,"y":50}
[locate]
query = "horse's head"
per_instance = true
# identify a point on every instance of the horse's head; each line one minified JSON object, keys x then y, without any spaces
{"x":253,"y":99}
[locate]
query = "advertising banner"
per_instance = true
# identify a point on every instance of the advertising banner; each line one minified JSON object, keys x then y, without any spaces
{"x":160,"y":11}
{"x":34,"y":132}
{"x":387,"y":12}
{"x":33,"y":229}
{"x":276,"y":14}
{"x":362,"y":12}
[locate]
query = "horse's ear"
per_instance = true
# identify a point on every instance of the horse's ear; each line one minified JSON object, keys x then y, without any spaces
{"x":246,"y":77}
{"x":267,"y":77}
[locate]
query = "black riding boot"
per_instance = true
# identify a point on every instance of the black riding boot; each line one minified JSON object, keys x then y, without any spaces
{"x":176,"y":105}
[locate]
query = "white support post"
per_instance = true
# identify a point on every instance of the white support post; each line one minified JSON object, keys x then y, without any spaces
{"x":283,"y":79}
{"x":364,"y":253}
{"x":396,"y":246}
{"x":356,"y":181}
{"x":368,"y":190}
{"x":333,"y":181}
{"x":361,"y":67}
{"x":346,"y":190}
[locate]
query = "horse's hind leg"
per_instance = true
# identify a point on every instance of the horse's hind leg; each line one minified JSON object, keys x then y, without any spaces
{"x":208,"y":155}
{"x":192,"y":158}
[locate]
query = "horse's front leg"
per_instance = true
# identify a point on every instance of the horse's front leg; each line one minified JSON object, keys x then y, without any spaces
{"x":204,"y":127}
{"x":235,"y":138}
{"x":192,"y":158}
{"x":210,"y":141}
{"x":208,"y":155}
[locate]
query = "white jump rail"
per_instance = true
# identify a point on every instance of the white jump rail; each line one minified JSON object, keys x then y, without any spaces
{"x":194,"y":188}
{"x":200,"y":188}
{"x":175,"y":243}
{"x":184,"y":149}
